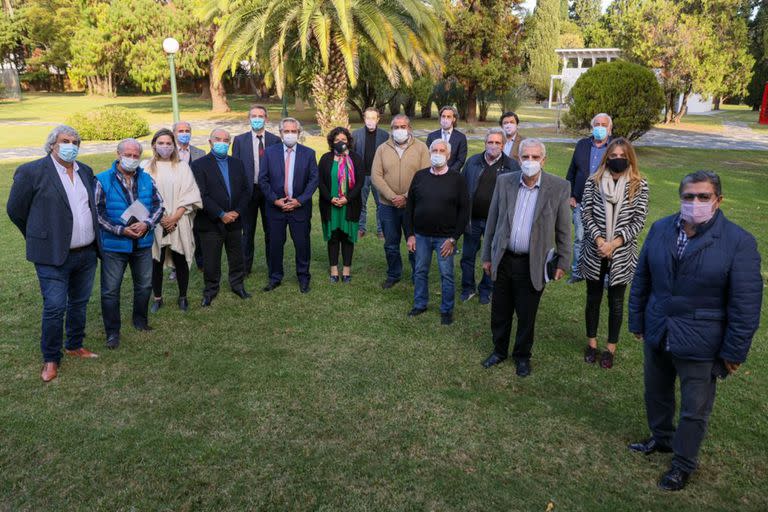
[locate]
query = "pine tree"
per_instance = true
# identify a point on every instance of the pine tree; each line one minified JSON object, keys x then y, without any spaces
{"x":543,"y":30}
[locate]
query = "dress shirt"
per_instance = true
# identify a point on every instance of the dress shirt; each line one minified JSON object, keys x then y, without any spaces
{"x":508,"y":146}
{"x":682,"y":239}
{"x":446,"y":134}
{"x":223,"y":164}
{"x":77,"y":195}
{"x":184,"y":154}
{"x":596,"y":156}
{"x":525,"y":206}
{"x":291,"y":167}
{"x":257,"y":138}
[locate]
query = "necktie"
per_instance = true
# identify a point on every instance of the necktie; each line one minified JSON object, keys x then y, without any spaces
{"x":287,"y":171}
{"x":446,"y":136}
{"x":261,"y":145}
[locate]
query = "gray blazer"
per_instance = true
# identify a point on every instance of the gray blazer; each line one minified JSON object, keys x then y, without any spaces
{"x":551,"y":224}
{"x":195,"y":153}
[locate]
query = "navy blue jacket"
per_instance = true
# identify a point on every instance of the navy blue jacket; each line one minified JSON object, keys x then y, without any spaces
{"x":705,"y":305}
{"x":578,"y":171}
{"x":473,"y":169}
{"x":214,"y":193}
{"x":458,"y":142}
{"x":39,"y":207}
{"x":242,"y":148}
{"x":305,"y":180}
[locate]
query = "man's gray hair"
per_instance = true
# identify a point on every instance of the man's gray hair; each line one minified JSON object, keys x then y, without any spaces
{"x":495,"y":131}
{"x":438,"y":142}
{"x":701,"y":177}
{"x":533,"y":142}
{"x":602,"y":114}
{"x":213,"y":132}
{"x":54,"y":136}
{"x":179,"y":123}
{"x":125,"y":142}
{"x":398,"y":117}
{"x":289,"y":120}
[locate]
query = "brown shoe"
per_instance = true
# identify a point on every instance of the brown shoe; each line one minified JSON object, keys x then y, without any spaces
{"x":360,"y":233}
{"x":81,"y":352}
{"x":50,"y":370}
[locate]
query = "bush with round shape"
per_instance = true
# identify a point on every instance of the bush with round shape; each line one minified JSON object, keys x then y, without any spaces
{"x":109,"y":123}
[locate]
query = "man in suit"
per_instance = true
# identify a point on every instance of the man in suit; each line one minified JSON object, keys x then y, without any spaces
{"x":188,"y":153}
{"x":529,"y":214}
{"x":509,"y":122}
{"x":584,"y":163}
{"x":52,"y":204}
{"x":249,"y":147}
{"x":288,"y":179}
{"x":226,"y":192}
{"x":367,"y":141}
{"x":449,"y":117}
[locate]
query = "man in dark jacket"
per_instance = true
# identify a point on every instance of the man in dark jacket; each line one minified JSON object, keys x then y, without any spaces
{"x":367,"y":140}
{"x":449,"y":117}
{"x":695,"y":300}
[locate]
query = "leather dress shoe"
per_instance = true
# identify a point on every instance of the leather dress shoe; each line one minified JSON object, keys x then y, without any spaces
{"x":304,"y":287}
{"x":523,"y":368}
{"x":416,"y":312}
{"x":142,"y":327}
{"x":389,"y":283}
{"x":50,"y":371}
{"x":674,"y":480}
{"x":240,"y":292}
{"x":81,"y":352}
{"x":183,"y":303}
{"x":649,"y":446}
{"x":493,"y":360}
{"x":207,"y":301}
{"x":446,"y":318}
{"x":156,"y":305}
{"x":113,"y":341}
{"x":271,"y":286}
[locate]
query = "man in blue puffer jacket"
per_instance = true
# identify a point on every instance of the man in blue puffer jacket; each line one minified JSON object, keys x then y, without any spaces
{"x":695,"y":300}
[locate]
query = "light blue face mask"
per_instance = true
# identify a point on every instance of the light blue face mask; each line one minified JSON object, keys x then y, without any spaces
{"x":184,"y":138}
{"x":600,"y":132}
{"x":68,"y":152}
{"x":220,"y":149}
{"x":257,"y":123}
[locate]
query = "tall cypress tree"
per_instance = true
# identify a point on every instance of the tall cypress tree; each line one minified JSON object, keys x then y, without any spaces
{"x":542,"y":33}
{"x":758,"y":35}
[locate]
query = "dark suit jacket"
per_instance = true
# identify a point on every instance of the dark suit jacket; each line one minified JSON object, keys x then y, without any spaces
{"x":354,"y":201}
{"x":39,"y":207}
{"x":305,"y":180}
{"x":213,"y":190}
{"x":242,"y":148}
{"x":358,"y":139}
{"x":458,"y":143}
{"x":578,"y":171}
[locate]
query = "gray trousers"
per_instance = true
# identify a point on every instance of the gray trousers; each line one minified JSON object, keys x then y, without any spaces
{"x":698,"y":382}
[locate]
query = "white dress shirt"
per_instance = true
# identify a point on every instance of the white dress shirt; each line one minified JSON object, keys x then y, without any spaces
{"x":255,"y":139}
{"x":83,"y":233}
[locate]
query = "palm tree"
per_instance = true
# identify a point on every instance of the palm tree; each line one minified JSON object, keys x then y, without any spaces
{"x":405,"y":37}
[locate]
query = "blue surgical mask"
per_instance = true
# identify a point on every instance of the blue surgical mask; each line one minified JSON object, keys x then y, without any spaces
{"x":184,"y":138}
{"x":68,"y":152}
{"x":257,"y":123}
{"x":600,"y":132}
{"x":220,"y":149}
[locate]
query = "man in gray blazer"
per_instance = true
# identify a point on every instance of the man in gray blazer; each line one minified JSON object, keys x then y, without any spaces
{"x":529,"y":214}
{"x":188,"y":153}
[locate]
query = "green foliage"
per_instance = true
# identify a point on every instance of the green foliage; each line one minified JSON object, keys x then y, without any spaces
{"x":585,"y":12}
{"x":629,"y":93}
{"x":571,"y":35}
{"x":109,"y":123}
{"x":541,"y":41}
{"x":759,"y":49}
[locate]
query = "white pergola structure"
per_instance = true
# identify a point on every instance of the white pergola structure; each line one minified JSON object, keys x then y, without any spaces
{"x":576,"y":62}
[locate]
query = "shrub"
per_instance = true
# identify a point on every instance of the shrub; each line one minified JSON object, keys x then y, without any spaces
{"x":629,"y":93}
{"x":109,"y":123}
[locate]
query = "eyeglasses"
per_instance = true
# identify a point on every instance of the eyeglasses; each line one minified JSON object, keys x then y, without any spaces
{"x":703,"y":196}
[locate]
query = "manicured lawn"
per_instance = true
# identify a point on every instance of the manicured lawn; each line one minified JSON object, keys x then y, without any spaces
{"x":335,"y":400}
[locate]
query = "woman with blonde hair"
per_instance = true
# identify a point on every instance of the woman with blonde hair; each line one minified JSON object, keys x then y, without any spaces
{"x":174,"y":243}
{"x":613,"y":209}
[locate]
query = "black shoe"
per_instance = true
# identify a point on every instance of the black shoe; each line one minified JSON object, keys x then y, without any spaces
{"x":575,"y":279}
{"x":346,"y":279}
{"x":590,"y":354}
{"x":156,"y":305}
{"x":649,"y":446}
{"x":142,"y":327}
{"x":389,"y":283}
{"x":271,"y":286}
{"x":207,"y":301}
{"x":416,"y":312}
{"x":523,"y":368}
{"x":183,"y":303}
{"x":446,"y":318}
{"x":240,"y":292}
{"x":493,"y":360}
{"x":674,"y":480}
{"x":606,"y":360}
{"x":113,"y":341}
{"x":304,"y":287}
{"x":334,"y":279}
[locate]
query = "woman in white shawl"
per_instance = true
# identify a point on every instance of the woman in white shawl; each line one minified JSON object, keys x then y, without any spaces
{"x":174,"y":242}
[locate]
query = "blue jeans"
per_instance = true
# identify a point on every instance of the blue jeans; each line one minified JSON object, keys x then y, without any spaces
{"x":392,"y":223}
{"x":367,"y":188}
{"x":578,"y":240}
{"x":66,"y":289}
{"x":112,"y":270}
{"x":472,"y":244}
{"x":425,"y":245}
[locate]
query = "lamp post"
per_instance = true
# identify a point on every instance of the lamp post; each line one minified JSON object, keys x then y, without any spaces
{"x":171,"y":46}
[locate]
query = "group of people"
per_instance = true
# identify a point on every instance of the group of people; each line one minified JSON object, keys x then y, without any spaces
{"x":696,"y":287}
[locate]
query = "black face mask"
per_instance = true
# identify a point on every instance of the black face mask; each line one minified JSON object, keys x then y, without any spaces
{"x":339,"y":147}
{"x":617,"y":164}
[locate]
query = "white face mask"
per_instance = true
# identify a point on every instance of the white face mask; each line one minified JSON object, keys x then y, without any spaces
{"x":530,"y":167}
{"x":510,"y":128}
{"x":290,"y":139}
{"x":164,"y":151}
{"x":400,"y":135}
{"x":438,"y":160}
{"x":371,"y":125}
{"x":446,"y":124}
{"x":129,"y":164}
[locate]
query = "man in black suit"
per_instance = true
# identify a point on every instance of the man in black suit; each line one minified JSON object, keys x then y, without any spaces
{"x":449,"y":116}
{"x":249,"y":147}
{"x":53,"y":205}
{"x":226,"y":192}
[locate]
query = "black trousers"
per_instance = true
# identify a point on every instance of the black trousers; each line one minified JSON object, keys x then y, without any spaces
{"x":340,"y":240}
{"x":250,"y":219}
{"x":211,"y":243}
{"x":514,"y":294}
{"x":615,"y":305}
{"x":182,"y":272}
{"x":698,"y":383}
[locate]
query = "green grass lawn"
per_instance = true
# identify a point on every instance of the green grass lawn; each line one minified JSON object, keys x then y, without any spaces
{"x":335,"y":400}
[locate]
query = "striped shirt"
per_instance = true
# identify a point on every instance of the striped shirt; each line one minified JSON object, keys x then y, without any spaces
{"x":525,"y":206}
{"x":682,"y":239}
{"x":101,"y":205}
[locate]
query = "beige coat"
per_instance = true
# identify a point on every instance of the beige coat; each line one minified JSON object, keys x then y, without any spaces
{"x":178,"y":188}
{"x":392,"y":174}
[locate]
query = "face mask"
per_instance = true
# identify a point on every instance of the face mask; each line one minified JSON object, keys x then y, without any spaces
{"x":371,"y":125}
{"x":446,"y":124}
{"x":492,"y":150}
{"x":617,"y":164}
{"x":220,"y":149}
{"x":257,"y":123}
{"x":339,"y":147}
{"x":530,"y":167}
{"x":400,"y":135}
{"x":695,"y":212}
{"x":164,"y":151}
{"x":600,"y":132}
{"x":510,"y":128}
{"x":438,"y":160}
{"x":290,"y":139}
{"x":68,"y":152}
{"x":184,"y":138}
{"x":129,"y":165}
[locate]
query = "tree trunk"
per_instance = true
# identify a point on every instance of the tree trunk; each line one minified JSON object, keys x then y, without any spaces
{"x":683,"y":106}
{"x":410,"y":106}
{"x":205,"y":91}
{"x":218,"y":93}
{"x":716,"y":103}
{"x":329,"y":92}
{"x":471,"y":115}
{"x":426,"y":109}
{"x":670,"y":110}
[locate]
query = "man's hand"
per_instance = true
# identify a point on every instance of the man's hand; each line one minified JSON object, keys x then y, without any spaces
{"x":280,"y":203}
{"x":487,"y":267}
{"x":447,"y":248}
{"x":559,"y":274}
{"x":572,"y":202}
{"x":229,"y":217}
{"x":291,"y":204}
{"x":399,"y":201}
{"x":731,"y":367}
{"x":411,"y":243}
{"x":138,"y":228}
